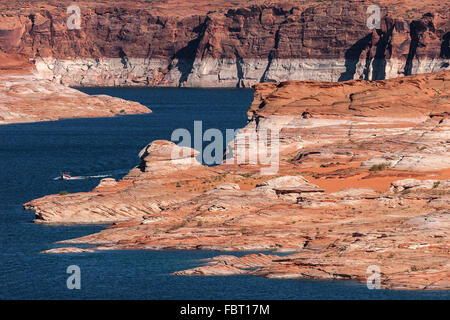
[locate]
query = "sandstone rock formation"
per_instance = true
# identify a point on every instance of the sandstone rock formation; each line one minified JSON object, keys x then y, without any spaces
{"x":226,"y":43}
{"x":25,"y":97}
{"x":68,"y":250}
{"x":166,"y":156}
{"x":335,"y":209}
{"x":118,"y":200}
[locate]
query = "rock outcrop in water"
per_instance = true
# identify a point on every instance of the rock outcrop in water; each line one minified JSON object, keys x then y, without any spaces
{"x":363,"y":181}
{"x":25,"y":97}
{"x":226,"y":43}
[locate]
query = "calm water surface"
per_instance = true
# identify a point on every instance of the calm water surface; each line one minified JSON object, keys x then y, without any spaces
{"x":33,"y":155}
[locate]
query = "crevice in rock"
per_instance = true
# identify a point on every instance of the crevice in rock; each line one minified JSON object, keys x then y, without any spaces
{"x":272,"y":55}
{"x":239,"y":71}
{"x":445,"y":47}
{"x":51,"y":28}
{"x":123,"y":58}
{"x":384,"y":47}
{"x":417,"y":28}
{"x":32,"y":18}
{"x":186,"y":55}
{"x":352,"y":56}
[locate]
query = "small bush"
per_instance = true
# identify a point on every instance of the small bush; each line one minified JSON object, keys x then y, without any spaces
{"x":219,"y":178}
{"x":380,"y":167}
{"x":244,"y":230}
{"x":183,"y":224}
{"x":63,"y":193}
{"x":177,"y":226}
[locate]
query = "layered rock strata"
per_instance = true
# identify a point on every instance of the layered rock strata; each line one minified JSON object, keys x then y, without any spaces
{"x":26,"y":97}
{"x":227,"y":44}
{"x":363,"y":180}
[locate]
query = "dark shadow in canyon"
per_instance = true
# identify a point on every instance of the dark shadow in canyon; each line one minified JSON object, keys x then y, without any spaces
{"x":383,"y":51}
{"x":445,"y":47}
{"x":417,"y":29}
{"x":240,"y":72}
{"x":186,"y":55}
{"x":271,"y":56}
{"x":352,"y":56}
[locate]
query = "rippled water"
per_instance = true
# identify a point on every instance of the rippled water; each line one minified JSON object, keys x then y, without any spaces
{"x":32,"y":156}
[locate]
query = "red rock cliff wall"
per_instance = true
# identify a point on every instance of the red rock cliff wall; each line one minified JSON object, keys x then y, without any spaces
{"x":226,"y":44}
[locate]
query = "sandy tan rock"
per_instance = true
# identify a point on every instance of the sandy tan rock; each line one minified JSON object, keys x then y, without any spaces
{"x":26,"y":97}
{"x":414,"y":184}
{"x":165,"y":156}
{"x":218,"y":270}
{"x":290,"y":184}
{"x":227,"y":186}
{"x":68,"y":250}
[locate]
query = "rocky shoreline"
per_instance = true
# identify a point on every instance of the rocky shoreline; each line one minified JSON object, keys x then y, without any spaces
{"x":26,"y":97}
{"x":175,"y":43}
{"x":363,"y":180}
{"x":363,"y":169}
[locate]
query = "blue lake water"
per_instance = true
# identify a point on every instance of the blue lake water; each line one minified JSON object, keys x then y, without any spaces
{"x":33,"y":155}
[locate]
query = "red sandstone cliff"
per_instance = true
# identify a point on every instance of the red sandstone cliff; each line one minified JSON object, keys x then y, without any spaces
{"x":223,"y":43}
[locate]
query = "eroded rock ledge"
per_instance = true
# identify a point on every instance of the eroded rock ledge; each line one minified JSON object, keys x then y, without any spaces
{"x":363,"y":180}
{"x":26,"y":97}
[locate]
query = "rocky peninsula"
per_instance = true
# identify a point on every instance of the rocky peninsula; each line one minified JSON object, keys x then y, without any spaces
{"x":363,"y":180}
{"x":27,"y":97}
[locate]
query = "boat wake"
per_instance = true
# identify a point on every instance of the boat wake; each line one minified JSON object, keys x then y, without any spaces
{"x":83,"y":177}
{"x":95,"y":176}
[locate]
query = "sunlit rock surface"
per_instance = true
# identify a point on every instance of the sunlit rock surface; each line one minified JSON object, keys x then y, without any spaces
{"x":347,"y":194}
{"x":223,"y":43}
